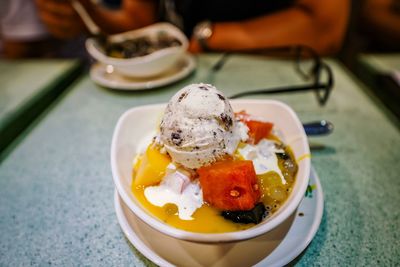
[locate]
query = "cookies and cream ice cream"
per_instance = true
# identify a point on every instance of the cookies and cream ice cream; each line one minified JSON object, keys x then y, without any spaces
{"x":199,"y":127}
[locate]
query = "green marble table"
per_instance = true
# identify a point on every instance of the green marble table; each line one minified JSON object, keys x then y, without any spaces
{"x":26,"y":88}
{"x":383,"y":63}
{"x":56,"y":188}
{"x":381,"y":72}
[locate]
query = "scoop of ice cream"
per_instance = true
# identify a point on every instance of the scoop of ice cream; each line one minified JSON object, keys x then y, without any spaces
{"x":198,"y":126}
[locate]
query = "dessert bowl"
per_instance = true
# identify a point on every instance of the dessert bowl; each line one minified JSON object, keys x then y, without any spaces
{"x":148,"y":65}
{"x":137,"y":123}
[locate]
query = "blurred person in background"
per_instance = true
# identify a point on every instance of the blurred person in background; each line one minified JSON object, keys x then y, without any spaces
{"x":374,"y":27}
{"x":381,"y":24}
{"x":22,"y":33}
{"x":216,"y":25}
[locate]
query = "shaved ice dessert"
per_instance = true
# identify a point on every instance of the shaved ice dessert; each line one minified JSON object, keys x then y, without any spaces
{"x":208,"y":169}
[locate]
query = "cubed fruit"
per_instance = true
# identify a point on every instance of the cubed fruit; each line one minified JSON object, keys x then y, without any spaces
{"x":230,"y":185}
{"x":257,"y":129}
{"x":271,"y":187}
{"x":151,"y":167}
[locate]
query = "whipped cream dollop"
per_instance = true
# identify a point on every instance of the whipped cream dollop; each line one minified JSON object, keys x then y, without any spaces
{"x":177,"y":188}
{"x":263,"y":156}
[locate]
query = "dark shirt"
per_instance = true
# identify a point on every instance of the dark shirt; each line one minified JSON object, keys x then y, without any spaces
{"x":192,"y":12}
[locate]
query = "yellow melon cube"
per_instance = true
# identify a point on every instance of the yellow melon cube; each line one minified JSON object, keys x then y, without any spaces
{"x":151,"y":167}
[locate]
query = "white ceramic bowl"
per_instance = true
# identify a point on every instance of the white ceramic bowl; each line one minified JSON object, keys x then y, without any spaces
{"x":145,"y":66}
{"x":135,"y":123}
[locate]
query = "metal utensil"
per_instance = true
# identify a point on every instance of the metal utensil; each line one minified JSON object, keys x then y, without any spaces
{"x":93,"y":28}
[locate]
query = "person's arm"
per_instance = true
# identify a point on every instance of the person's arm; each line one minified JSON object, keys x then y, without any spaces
{"x":318,"y":24}
{"x":63,"y":22}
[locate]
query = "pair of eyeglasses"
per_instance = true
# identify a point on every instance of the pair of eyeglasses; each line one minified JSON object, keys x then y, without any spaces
{"x":307,"y":63}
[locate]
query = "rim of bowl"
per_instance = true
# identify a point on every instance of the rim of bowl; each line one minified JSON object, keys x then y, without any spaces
{"x":94,"y":51}
{"x":252,"y":232}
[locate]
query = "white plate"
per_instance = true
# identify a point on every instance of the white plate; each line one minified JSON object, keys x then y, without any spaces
{"x":105,"y":75}
{"x":275,"y":248}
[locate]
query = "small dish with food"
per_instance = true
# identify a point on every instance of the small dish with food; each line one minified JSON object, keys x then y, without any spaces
{"x":146,"y":52}
{"x":211,"y":170}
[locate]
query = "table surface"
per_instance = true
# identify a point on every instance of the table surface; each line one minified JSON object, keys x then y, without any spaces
{"x":384,"y":63}
{"x":56,"y":188}
{"x":381,"y":72}
{"x":24,"y":84}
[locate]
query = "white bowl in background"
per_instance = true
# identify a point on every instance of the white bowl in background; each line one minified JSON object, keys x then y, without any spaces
{"x":138,"y":122}
{"x":149,"y":65}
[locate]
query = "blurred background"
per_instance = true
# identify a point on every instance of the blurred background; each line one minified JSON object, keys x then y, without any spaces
{"x":369,"y":47}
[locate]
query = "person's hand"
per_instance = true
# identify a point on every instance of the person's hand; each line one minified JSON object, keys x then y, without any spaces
{"x":60,"y":18}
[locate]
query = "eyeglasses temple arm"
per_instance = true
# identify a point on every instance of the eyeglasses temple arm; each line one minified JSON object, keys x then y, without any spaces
{"x":277,"y":90}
